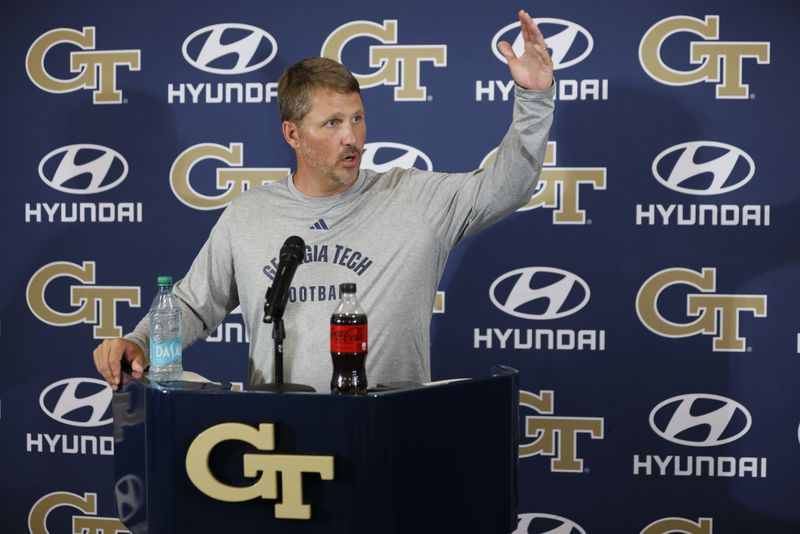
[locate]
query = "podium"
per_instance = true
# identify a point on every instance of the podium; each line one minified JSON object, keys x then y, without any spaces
{"x":198,"y":457}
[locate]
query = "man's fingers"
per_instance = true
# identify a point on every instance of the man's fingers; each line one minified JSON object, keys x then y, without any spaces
{"x":134,"y":356}
{"x":533,"y":30}
{"x":505,"y":48}
{"x":108,"y":359}
{"x":115,"y":353}
{"x":533,"y":35}
{"x":101,"y":363}
{"x":524,"y":20}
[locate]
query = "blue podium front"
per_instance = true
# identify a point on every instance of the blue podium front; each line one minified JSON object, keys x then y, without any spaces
{"x":199,"y":457}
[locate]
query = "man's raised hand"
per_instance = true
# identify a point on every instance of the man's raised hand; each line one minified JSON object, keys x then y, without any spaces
{"x":534,"y":68}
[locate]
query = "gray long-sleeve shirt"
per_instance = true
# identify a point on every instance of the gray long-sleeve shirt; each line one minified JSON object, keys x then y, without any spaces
{"x":390,"y":233}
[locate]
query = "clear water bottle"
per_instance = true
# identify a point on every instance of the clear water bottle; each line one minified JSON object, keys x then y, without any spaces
{"x":166,"y":363}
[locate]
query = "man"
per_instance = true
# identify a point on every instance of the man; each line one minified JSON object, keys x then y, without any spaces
{"x":390,"y":233}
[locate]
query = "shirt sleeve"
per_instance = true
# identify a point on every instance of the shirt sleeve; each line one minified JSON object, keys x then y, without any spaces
{"x":459,"y":204}
{"x":206,"y":294}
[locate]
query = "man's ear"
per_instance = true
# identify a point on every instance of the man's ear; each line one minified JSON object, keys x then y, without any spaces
{"x":291,"y":133}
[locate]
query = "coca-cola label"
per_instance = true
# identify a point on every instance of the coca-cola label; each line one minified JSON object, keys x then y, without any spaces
{"x":348,"y":338}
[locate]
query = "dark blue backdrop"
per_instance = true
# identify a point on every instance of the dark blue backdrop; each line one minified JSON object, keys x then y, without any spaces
{"x":646,"y":294}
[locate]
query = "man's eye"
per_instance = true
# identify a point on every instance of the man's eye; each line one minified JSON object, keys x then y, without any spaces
{"x":358,"y":118}
{"x":332,"y":122}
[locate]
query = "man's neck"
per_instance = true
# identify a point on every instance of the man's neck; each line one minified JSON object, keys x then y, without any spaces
{"x":313,"y":188}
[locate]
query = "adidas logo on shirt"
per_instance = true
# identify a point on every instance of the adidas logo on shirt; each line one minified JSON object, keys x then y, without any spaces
{"x":319,"y":225}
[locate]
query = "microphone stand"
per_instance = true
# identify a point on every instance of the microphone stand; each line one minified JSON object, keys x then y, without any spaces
{"x":278,"y":335}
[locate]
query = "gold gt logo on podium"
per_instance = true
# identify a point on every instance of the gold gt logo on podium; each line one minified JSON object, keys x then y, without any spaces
{"x":290,"y":466}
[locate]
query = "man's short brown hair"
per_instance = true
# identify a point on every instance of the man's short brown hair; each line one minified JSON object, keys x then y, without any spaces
{"x":297,"y":82}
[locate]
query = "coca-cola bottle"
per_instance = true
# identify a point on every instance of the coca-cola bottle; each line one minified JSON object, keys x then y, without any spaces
{"x":348,"y":344}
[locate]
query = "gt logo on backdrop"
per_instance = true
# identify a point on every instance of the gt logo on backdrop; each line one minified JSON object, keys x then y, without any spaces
{"x":83,"y":169}
{"x":230,"y":181}
{"x":96,"y":305}
{"x":95,"y":69}
{"x":717,"y":314}
{"x":559,"y":187}
{"x":382,"y":156}
{"x":397,"y":65}
{"x":569,"y":42}
{"x":701,"y":420}
{"x":290,"y":466}
{"x":539,"y":294}
{"x":227,"y":49}
{"x":546,"y":524}
{"x":555,"y":436}
{"x":703,"y":168}
{"x":679,"y":525}
{"x":88,"y":521}
{"x":720,"y":62}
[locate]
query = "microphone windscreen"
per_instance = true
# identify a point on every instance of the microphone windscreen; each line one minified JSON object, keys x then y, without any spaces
{"x":294,"y":247}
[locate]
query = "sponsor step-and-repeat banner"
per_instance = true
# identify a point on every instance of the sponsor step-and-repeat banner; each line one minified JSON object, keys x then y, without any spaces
{"x":646,"y":293}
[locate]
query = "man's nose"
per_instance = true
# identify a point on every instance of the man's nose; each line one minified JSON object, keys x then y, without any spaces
{"x":348,"y":135}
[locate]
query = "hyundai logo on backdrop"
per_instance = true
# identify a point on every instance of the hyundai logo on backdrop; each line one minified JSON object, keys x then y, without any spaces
{"x":542,"y":293}
{"x":83,"y":169}
{"x":66,"y":169}
{"x":78,"y":402}
{"x":382,"y":156}
{"x":701,"y":421}
{"x":683,"y":168}
{"x":546,"y":524}
{"x":227,"y":49}
{"x":539,"y":294}
{"x":213,"y":48}
{"x":703,"y":168}
{"x":569,"y":44}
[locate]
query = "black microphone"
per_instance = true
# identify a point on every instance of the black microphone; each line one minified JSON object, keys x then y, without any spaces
{"x":291,"y":256}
